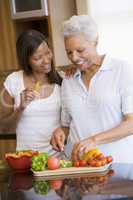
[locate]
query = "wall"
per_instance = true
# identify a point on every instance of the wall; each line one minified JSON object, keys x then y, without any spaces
{"x":60,"y":10}
{"x":7,"y":38}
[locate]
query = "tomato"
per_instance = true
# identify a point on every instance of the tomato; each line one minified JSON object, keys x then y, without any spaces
{"x":76,"y":163}
{"x":99,"y":156}
{"x":82,"y":163}
{"x":98,"y":163}
{"x":109,"y":159}
{"x":93,"y":163}
{"x":56,"y":184}
{"x":53,"y":163}
{"x":104,"y":161}
{"x":111,"y":172}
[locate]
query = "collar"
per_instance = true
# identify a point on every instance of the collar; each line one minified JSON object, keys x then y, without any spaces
{"x":77,"y":74}
{"x":106,"y":65}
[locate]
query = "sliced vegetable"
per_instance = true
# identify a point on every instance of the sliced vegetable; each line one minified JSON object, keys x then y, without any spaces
{"x":90,"y":154}
{"x":65,"y":163}
{"x":39,"y":162}
{"x":19,"y":154}
{"x":41,"y":187}
{"x":37,"y":86}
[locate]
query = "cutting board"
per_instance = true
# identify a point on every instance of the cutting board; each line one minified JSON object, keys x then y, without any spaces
{"x":71,"y":171}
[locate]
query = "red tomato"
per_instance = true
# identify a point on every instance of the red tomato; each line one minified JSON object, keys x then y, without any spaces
{"x":82,"y":163}
{"x":76,"y":163}
{"x":98,"y":163}
{"x":92,"y":163}
{"x":104,"y":161}
{"x":100,"y":156}
{"x":53,"y":163}
{"x":56,"y":184}
{"x":109,"y":159}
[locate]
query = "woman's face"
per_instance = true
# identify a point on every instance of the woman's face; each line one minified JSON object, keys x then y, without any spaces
{"x":80,"y":51}
{"x":41,"y":59}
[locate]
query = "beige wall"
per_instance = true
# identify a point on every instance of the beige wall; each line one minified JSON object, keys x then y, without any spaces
{"x":60,"y":10}
{"x":7,"y":38}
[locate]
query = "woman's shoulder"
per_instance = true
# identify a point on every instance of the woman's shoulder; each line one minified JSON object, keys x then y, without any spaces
{"x":13,"y":82}
{"x":15,"y":75}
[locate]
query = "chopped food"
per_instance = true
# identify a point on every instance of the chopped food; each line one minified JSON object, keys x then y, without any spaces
{"x":90,"y":154}
{"x":18,"y":154}
{"x":93,"y":158}
{"x":41,"y":187}
{"x":65,"y":163}
{"x":39,"y":162}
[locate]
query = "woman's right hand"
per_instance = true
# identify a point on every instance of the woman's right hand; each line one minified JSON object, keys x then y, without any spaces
{"x":58,"y":139}
{"x":27,"y":96}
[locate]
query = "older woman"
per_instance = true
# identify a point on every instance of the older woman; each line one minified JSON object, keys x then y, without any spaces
{"x":98,"y":100}
{"x":30,"y":99}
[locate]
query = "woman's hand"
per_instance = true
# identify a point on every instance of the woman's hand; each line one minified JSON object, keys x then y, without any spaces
{"x":58,"y":139}
{"x":83,"y":146}
{"x":27,"y":96}
{"x":70,"y":71}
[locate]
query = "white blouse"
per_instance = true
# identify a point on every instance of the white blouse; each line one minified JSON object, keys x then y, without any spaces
{"x":101,"y":107}
{"x":38,"y":120}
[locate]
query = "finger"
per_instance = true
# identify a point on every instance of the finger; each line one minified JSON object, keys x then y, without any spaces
{"x":54,"y":145}
{"x":78,"y":151}
{"x":74,"y":152}
{"x":60,"y":141}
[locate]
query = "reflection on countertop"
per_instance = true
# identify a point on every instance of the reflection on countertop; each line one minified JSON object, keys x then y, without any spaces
{"x":117,"y":183}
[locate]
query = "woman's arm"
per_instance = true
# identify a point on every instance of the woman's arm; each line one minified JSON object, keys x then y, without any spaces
{"x":124,"y":129}
{"x":59,"y":137}
{"x":8,"y":116}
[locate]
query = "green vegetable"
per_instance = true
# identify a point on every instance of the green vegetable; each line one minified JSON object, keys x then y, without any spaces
{"x":39,"y":162}
{"x":65,"y":163}
{"x":41,"y":187}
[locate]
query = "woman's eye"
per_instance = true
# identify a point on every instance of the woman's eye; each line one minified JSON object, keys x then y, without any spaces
{"x":80,"y":50}
{"x":36,"y":59}
{"x":69,"y":53}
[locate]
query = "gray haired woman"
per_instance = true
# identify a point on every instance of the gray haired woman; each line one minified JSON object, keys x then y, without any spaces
{"x":97,"y":101}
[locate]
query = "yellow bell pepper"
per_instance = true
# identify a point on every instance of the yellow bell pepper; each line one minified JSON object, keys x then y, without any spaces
{"x":90,"y":154}
{"x":37,"y":86}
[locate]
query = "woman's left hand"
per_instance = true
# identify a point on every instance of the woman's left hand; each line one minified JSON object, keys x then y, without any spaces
{"x":81,"y":147}
{"x":70,"y":71}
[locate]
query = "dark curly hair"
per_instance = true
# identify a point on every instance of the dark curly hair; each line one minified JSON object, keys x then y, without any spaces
{"x":27,"y":42}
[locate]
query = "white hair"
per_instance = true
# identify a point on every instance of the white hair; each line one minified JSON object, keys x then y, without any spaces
{"x":79,"y":24}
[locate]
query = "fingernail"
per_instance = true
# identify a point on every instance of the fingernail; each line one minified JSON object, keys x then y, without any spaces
{"x":81,"y":148}
{"x":62,"y":149}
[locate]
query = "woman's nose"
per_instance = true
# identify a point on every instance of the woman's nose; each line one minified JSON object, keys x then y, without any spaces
{"x":74,"y":57}
{"x":46,"y":59}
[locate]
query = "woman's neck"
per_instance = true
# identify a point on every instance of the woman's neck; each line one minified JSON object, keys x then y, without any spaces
{"x":42,"y":78}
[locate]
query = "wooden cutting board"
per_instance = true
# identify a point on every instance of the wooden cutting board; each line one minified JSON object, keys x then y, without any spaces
{"x":72,"y":170}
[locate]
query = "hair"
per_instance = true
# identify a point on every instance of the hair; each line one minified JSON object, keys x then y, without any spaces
{"x":27,"y":42}
{"x":81,"y":24}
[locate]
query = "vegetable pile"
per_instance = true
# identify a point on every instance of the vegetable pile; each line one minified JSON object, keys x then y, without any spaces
{"x":42,"y":161}
{"x":93,"y":158}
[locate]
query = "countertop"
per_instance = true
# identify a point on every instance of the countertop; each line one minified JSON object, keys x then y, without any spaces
{"x":117,"y":183}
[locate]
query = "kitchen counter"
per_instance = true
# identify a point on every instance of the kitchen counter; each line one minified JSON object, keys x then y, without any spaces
{"x":117,"y":183}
